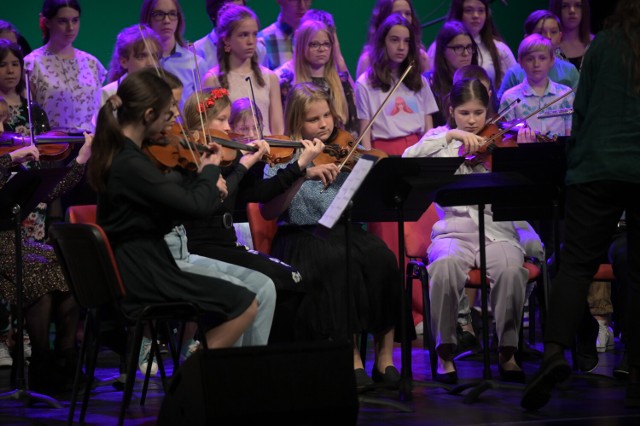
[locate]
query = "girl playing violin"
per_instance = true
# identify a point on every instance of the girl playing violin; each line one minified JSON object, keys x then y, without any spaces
{"x":237,"y":27}
{"x":454,"y":250}
{"x":137,"y":204}
{"x":375,"y":298}
{"x":215,"y":236}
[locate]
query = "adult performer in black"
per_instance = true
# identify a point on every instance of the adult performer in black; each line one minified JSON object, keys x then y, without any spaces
{"x":137,"y":205}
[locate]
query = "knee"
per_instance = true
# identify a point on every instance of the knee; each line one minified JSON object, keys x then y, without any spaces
{"x":267,"y":295}
{"x":444,"y":270}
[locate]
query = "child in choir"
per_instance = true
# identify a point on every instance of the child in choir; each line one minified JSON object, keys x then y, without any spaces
{"x":165,"y":17}
{"x":238,"y":66}
{"x":381,"y":11}
{"x":494,"y":55}
{"x":454,"y":248}
{"x":536,"y":58}
{"x":575,"y":16}
{"x":315,"y":60}
{"x":136,"y":47}
{"x":407,"y":115}
{"x":547,"y":25}
{"x":65,"y":81}
{"x":455,"y":49}
{"x":374,"y":298}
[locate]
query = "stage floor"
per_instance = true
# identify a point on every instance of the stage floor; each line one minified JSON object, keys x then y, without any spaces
{"x":586,"y":399}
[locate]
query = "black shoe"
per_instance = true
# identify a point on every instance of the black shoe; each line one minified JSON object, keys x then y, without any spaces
{"x":362,"y":380}
{"x":621,"y":371}
{"x":552,"y":371}
{"x":586,"y":363}
{"x":391,"y":376}
{"x":450,"y":378}
{"x":512,"y":376}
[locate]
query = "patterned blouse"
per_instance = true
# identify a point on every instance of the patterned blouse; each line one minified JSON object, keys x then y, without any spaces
{"x":67,"y":89}
{"x":19,"y":118}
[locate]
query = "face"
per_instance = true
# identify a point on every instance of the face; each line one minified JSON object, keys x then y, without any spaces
{"x":474,"y":15}
{"x":242,"y":40}
{"x":292,"y":10}
{"x":318,"y":121}
{"x":550,"y":29}
{"x":9,"y":35}
{"x":246,"y":127}
{"x":318,"y":50}
{"x":140,"y":60}
{"x":64,"y":27}
{"x":470,"y":116}
{"x":571,"y":14}
{"x":397,"y":43}
{"x":402,"y":7}
{"x":537,"y":65}
{"x":220,"y":121}
{"x":459,"y":52}
{"x":10,"y":72}
{"x":176,"y":95}
{"x":164,"y":19}
{"x":164,"y":119}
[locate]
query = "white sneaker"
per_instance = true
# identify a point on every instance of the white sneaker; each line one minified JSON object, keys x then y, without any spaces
{"x":605,"y":340}
{"x":5,"y":356}
{"x":143,"y":358}
{"x":189,"y":348}
{"x":27,"y":345}
{"x":420,"y":328}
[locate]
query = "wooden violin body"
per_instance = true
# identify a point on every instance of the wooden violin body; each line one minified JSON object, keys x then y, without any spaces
{"x":339,"y":150}
{"x":53,"y":145}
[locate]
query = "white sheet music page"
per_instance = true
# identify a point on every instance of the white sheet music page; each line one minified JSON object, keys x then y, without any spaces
{"x":347,"y":191}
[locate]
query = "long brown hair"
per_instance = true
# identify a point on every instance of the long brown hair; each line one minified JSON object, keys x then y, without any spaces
{"x":380,"y":73}
{"x":585,"y":22}
{"x":488,"y":34}
{"x":229,"y":17}
{"x":139,"y":91}
{"x":145,"y":18}
{"x":626,"y":20}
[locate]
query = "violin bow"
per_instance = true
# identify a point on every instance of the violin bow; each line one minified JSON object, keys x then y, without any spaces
{"x":256,"y":122}
{"x":373,"y":119}
{"x":29,"y":112}
{"x":504,"y":112}
{"x":502,"y":132}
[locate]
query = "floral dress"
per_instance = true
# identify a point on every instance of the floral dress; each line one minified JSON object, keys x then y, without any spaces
{"x":67,"y":89}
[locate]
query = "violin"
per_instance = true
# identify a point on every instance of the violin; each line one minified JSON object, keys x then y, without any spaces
{"x":281,"y":149}
{"x":339,"y":149}
{"x":53,"y":145}
{"x":495,"y":138}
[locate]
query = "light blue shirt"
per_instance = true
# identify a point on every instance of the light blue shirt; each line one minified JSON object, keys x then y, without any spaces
{"x":181,"y":64}
{"x":563,"y":72}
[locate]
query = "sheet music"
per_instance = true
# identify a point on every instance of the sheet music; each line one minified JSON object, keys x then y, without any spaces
{"x":347,"y":191}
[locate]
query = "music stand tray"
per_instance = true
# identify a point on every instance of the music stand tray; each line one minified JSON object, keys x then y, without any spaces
{"x":18,"y":198}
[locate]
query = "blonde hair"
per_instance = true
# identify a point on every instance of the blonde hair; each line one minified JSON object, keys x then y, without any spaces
{"x":302,"y":72}
{"x":534,"y":43}
{"x":203,"y":106}
{"x":295,"y":112}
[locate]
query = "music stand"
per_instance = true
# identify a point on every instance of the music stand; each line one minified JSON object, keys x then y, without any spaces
{"x":18,"y":198}
{"x":480,"y":189}
{"x":395,"y":190}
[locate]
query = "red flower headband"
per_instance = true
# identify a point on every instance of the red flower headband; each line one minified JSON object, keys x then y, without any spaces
{"x":211,"y":100}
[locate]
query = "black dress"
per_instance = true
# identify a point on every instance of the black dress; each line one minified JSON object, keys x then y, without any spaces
{"x":136,"y":211}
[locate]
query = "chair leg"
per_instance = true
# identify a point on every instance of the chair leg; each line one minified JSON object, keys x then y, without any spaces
{"x":91,"y":367}
{"x":532,"y":316}
{"x":428,"y":333}
{"x":87,"y":335}
{"x":134,"y":350}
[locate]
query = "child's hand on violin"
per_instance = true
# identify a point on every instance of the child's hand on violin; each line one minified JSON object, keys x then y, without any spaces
{"x":526,"y":135}
{"x":28,"y":153}
{"x":326,"y":173}
{"x":85,"y":151}
{"x":471,"y":141}
{"x":214,"y":157}
{"x":251,"y":158}
{"x":310,"y":151}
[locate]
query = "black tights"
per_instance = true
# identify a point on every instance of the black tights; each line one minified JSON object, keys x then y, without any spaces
{"x":60,"y":307}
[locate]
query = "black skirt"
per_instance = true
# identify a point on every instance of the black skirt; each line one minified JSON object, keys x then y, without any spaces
{"x":374,"y":288}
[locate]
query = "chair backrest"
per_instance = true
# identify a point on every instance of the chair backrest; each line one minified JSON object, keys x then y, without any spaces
{"x":417,"y":235}
{"x":88,"y":264}
{"x":262,"y":230}
{"x":82,"y":214}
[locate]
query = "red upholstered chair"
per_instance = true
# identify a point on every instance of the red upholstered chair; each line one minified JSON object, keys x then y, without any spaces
{"x":417,"y":241}
{"x":262,"y":230}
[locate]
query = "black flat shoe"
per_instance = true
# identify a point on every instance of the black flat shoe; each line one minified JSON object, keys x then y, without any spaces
{"x":391,"y":376}
{"x":362,"y":380}
{"x":552,"y":371}
{"x":512,"y":376}
{"x":450,"y":378}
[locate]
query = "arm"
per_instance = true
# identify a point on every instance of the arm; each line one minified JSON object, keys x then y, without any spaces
{"x":363,"y":108}
{"x":363,"y":63}
{"x":211,"y":78}
{"x":428,"y":122}
{"x":276,"y":117}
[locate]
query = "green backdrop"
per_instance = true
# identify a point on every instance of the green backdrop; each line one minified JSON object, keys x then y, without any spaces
{"x":102,"y":20}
